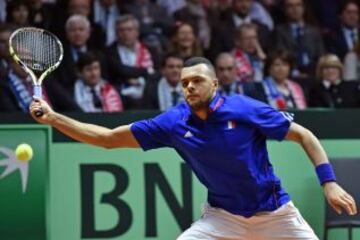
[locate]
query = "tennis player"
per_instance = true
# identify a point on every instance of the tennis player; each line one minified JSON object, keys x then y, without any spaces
{"x":223,"y":140}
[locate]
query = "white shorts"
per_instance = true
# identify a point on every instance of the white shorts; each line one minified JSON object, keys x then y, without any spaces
{"x":281,"y":224}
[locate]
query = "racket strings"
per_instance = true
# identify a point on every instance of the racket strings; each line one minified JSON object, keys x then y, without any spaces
{"x":36,"y":49}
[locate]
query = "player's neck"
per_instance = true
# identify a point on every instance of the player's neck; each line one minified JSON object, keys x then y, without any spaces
{"x":202,"y":113}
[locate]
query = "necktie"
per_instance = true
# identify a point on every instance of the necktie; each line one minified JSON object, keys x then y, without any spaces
{"x":175,"y":97}
{"x":96,"y":100}
{"x":353,"y":37}
{"x":106,"y":18}
{"x":302,"y":56}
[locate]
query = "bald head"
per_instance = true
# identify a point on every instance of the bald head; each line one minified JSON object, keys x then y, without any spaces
{"x":225,"y":68}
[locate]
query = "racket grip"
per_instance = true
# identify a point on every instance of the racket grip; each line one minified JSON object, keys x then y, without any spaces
{"x":38,"y":93}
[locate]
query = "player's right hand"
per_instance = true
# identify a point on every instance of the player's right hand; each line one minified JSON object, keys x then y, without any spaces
{"x":40,"y":105}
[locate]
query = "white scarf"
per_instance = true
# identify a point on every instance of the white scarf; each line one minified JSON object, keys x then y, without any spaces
{"x":84,"y":98}
{"x":164,"y":94}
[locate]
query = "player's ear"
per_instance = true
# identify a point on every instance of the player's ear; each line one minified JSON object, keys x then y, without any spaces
{"x":215,"y":83}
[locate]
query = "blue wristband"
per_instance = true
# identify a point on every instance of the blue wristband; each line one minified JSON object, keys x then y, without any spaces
{"x":325,"y":173}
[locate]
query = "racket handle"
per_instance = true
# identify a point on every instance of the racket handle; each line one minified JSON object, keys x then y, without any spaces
{"x":38,"y":93}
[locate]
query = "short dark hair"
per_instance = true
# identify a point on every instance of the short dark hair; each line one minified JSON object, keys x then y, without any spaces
{"x":193,"y":61}
{"x":198,"y":60}
{"x":170,"y":55}
{"x":345,"y":4}
{"x":281,"y":54}
{"x":243,"y":27}
{"x":86,"y":59}
{"x":13,"y":5}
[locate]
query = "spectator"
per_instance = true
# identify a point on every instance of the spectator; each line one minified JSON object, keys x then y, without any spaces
{"x":155,"y":23}
{"x":274,"y":9}
{"x":91,"y":92}
{"x":196,"y":15}
{"x":248,"y":54}
{"x":78,"y":7}
{"x":351,"y":70}
{"x":165,"y":91}
{"x":17,"y":90}
{"x":331,"y":91}
{"x":184,"y":42}
{"x":5,"y":32}
{"x":300,"y":38}
{"x":78,"y":32}
{"x":343,"y":39}
{"x":171,"y":6}
{"x":105,"y":14}
{"x":260,"y":14}
{"x":41,"y":14}
{"x":130,"y":62}
{"x":277,"y":89}
{"x":225,"y":67}
{"x":3,"y":8}
{"x":222,"y":39}
{"x":18,"y":13}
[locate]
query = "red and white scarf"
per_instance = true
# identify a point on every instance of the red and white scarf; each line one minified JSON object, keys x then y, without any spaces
{"x":143,"y":56}
{"x":137,"y":57}
{"x":110,"y":98}
{"x":277,"y":100}
{"x":244,"y":69}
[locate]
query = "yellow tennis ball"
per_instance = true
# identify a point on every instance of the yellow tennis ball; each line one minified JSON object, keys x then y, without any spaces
{"x":24,"y":152}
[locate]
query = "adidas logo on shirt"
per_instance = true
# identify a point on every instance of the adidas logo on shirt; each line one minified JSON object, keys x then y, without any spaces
{"x":188,"y":134}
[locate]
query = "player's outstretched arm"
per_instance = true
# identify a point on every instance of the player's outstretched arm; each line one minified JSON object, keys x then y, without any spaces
{"x":83,"y":132}
{"x":337,"y":197}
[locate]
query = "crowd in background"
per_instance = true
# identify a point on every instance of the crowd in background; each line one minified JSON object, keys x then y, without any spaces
{"x":128,"y":54}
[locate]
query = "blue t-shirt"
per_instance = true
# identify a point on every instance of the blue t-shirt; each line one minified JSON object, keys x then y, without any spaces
{"x":227,"y":151}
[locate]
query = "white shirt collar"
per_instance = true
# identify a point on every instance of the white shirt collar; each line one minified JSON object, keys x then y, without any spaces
{"x":239,"y":21}
{"x":327,"y":84}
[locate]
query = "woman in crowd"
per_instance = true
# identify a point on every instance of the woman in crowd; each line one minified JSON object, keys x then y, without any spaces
{"x":18,"y":13}
{"x":277,"y":89}
{"x":184,"y":42}
{"x":330,"y":90}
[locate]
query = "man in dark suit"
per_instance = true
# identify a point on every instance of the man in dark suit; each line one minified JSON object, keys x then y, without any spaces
{"x":164,"y":90}
{"x":78,"y":32}
{"x":344,"y":38}
{"x":65,"y":9}
{"x":153,"y":19}
{"x":225,"y":67}
{"x":223,"y":35}
{"x":300,"y":38}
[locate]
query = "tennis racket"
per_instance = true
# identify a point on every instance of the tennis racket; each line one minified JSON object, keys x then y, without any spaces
{"x":38,"y":52}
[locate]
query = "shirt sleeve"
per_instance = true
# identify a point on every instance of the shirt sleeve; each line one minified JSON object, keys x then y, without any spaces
{"x":153,"y":133}
{"x":270,"y":122}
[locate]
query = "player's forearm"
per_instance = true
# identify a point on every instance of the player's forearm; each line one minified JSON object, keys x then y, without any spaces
{"x":82,"y":132}
{"x":313,"y":148}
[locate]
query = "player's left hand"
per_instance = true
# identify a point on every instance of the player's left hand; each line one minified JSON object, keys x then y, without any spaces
{"x":339,"y":199}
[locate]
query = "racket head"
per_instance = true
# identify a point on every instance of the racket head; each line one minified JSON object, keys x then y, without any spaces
{"x":37,"y":51}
